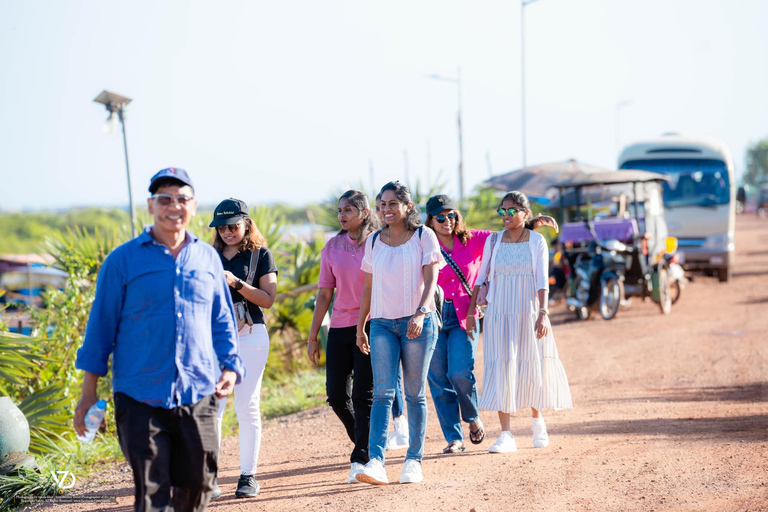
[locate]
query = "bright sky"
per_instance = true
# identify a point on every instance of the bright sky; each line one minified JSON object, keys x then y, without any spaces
{"x":291,"y":100}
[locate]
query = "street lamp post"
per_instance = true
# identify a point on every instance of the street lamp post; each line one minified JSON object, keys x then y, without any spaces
{"x":523,"y":4}
{"x":115,"y":105}
{"x":456,"y":81}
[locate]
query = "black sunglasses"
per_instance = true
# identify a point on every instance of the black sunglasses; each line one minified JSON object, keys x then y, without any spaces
{"x":509,"y":211}
{"x":229,"y":227}
{"x":441,"y":218}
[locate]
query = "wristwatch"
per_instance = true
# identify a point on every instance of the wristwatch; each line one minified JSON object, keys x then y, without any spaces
{"x":422,"y":310}
{"x":239,"y":284}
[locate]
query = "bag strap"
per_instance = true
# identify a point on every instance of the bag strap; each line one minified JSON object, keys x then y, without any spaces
{"x":253,"y":266}
{"x":457,"y":271}
{"x":375,"y":236}
{"x":494,"y":236}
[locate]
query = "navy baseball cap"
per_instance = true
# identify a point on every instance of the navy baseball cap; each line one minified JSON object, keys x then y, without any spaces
{"x":173,"y":173}
{"x":229,"y":211}
{"x":438,"y":203}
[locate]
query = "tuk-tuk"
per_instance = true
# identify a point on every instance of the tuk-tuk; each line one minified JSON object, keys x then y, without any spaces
{"x":614,"y":237}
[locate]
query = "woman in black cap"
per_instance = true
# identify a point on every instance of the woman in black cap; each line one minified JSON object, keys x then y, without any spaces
{"x":451,"y":371}
{"x":252,"y":276}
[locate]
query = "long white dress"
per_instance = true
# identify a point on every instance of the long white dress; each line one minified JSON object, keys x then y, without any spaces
{"x":520,"y":370}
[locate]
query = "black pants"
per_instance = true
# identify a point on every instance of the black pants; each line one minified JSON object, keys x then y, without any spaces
{"x":349,"y":385}
{"x":169,"y":448}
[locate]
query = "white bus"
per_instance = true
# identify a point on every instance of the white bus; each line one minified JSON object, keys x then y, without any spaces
{"x":699,"y":199}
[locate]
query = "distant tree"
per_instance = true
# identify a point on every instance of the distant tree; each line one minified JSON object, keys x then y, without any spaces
{"x":757,"y":163}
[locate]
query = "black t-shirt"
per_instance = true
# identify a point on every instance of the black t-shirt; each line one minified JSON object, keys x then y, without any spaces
{"x":238,"y":265}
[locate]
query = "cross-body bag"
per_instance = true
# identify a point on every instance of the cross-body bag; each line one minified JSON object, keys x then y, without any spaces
{"x":242,"y":315}
{"x":439,"y":294}
{"x":462,"y":278}
{"x":482,"y":295}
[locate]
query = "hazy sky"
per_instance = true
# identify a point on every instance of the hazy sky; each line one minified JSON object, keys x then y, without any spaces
{"x":290,"y":101}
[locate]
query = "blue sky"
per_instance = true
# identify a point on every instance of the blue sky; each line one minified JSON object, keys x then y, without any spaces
{"x":291,"y":101}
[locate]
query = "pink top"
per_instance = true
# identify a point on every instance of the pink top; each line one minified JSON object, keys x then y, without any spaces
{"x":398,"y":281}
{"x":468,"y":257}
{"x":340,"y":263}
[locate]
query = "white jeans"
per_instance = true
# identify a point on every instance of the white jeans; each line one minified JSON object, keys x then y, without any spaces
{"x":254,"y":350}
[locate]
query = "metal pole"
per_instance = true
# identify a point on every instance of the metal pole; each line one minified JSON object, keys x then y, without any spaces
{"x":461,"y":141}
{"x":131,"y":210}
{"x":522,"y":76}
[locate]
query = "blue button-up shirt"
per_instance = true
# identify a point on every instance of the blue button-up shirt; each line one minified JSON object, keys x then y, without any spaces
{"x":168,"y":323}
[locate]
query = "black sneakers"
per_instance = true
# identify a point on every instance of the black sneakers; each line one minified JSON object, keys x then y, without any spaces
{"x":247,"y":487}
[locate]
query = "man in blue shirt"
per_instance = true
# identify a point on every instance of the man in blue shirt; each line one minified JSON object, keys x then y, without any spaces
{"x":163,"y":311}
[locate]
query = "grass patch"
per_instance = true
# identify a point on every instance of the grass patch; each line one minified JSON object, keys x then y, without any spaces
{"x":67,"y":454}
{"x":287,"y":395}
{"x":301,"y":391}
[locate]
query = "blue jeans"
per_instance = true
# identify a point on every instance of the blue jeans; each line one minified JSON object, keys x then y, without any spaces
{"x":398,"y":408}
{"x":390,"y":346}
{"x":451,"y":378}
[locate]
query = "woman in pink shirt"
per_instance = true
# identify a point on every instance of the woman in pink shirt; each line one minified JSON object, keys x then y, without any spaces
{"x":340,"y":263}
{"x":451,"y":372}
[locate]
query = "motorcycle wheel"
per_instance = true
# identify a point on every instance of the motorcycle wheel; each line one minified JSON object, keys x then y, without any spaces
{"x":665,"y":295}
{"x":674,"y":291}
{"x":610,"y":298}
{"x":582,"y":313}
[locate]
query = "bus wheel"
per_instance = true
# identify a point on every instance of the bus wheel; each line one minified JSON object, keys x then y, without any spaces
{"x":725,"y":274}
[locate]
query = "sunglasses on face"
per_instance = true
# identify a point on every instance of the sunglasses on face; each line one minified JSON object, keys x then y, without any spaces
{"x":509,"y":211}
{"x":441,"y":218}
{"x":168,"y":199}
{"x":229,"y":227}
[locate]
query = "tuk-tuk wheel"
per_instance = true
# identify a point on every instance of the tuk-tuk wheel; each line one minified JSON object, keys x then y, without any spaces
{"x":611,"y":295}
{"x":582,"y":313}
{"x":665,"y":296}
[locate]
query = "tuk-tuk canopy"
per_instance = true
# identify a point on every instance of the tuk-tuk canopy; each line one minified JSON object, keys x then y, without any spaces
{"x":610,"y":178}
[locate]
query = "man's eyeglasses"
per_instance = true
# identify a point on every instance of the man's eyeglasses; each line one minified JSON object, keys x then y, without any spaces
{"x":509,"y":211}
{"x":441,"y":218}
{"x":168,"y":199}
{"x":229,"y":227}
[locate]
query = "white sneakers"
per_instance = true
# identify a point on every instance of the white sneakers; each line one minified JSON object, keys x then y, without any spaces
{"x":353,"y":471}
{"x":504,"y":444}
{"x":411,"y":472}
{"x":373,"y":473}
{"x":506,"y":441}
{"x":540,"y":436}
{"x":399,"y":437}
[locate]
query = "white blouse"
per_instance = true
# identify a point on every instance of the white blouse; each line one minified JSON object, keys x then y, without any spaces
{"x":397,"y":277}
{"x":539,"y":254}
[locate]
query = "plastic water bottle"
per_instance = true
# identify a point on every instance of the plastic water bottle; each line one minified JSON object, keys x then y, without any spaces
{"x":93,"y":419}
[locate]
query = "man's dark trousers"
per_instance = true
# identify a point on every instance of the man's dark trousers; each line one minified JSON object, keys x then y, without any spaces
{"x":169,"y":449}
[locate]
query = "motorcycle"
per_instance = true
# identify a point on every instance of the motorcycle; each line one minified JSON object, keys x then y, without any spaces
{"x":599,"y":275}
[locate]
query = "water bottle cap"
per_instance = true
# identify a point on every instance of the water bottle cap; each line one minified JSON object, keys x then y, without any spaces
{"x":101,"y":404}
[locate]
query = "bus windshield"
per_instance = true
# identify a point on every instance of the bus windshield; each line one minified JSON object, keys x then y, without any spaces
{"x":691,"y":182}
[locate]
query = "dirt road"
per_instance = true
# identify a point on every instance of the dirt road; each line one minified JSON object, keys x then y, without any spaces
{"x":671,"y":413}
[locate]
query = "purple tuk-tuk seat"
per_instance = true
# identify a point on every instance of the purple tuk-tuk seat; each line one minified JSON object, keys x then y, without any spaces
{"x":623,"y":230}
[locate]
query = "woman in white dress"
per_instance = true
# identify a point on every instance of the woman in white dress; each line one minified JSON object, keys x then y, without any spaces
{"x":522,"y":368}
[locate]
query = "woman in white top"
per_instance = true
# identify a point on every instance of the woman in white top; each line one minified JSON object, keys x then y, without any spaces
{"x":522,"y":368}
{"x":401,"y":263}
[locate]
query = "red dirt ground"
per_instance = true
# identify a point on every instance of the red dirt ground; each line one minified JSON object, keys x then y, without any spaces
{"x":670,"y":413}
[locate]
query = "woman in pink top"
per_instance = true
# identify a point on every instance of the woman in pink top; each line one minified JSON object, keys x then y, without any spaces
{"x":340,"y":270}
{"x":451,"y":372}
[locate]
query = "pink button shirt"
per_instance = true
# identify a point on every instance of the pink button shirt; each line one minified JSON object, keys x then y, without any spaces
{"x":468,"y":257}
{"x":340,"y":263}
